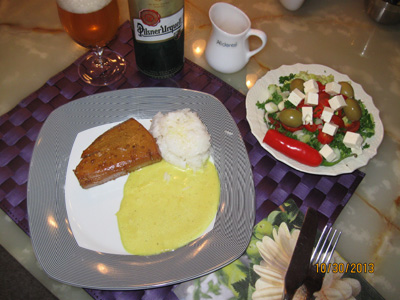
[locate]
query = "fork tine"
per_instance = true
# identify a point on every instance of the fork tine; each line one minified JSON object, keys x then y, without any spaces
{"x":325,"y":247}
{"x":323,"y":238}
{"x":317,"y":246}
{"x":329,"y":242}
{"x":333,"y":246}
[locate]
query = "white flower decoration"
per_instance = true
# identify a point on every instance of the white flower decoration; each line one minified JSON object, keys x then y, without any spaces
{"x":276,"y":254}
{"x":336,"y":288}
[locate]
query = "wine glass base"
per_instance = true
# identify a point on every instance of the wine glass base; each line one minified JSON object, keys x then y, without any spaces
{"x":102,"y":70}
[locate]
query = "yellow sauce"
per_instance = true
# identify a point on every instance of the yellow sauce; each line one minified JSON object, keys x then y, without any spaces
{"x":165,"y":207}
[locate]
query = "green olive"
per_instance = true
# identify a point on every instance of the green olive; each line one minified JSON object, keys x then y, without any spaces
{"x":297,"y":83}
{"x":291,"y":117}
{"x":352,"y":110}
{"x":346,"y":89}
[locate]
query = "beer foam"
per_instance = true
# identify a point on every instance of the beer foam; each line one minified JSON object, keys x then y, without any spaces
{"x":82,"y":6}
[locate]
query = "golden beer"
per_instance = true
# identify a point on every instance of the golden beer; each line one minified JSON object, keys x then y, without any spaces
{"x":90,"y":23}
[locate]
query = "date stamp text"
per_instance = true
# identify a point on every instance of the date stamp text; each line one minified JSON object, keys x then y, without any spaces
{"x":353,"y":268}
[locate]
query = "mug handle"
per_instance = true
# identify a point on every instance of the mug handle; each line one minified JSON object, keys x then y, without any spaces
{"x":263,"y":37}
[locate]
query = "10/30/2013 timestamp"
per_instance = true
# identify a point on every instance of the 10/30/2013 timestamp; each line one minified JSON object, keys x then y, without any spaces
{"x":352,"y":268}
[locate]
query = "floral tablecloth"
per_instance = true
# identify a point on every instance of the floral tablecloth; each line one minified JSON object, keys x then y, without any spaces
{"x":260,"y":272}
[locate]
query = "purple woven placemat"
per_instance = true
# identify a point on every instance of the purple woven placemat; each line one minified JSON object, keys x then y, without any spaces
{"x":274,"y":181}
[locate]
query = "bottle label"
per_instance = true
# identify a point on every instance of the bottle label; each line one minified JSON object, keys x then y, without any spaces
{"x":150,"y":27}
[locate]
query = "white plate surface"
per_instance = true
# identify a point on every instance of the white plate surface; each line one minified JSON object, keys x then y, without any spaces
{"x":255,"y":117}
{"x":96,"y":231}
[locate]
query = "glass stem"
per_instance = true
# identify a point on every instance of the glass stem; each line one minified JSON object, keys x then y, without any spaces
{"x":99,"y":53}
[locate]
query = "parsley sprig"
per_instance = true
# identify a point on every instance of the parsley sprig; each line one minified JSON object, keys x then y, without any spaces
{"x":367,"y":124}
{"x":285,"y":81}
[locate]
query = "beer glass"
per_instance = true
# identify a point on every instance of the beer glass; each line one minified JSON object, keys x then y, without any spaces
{"x":92,"y":24}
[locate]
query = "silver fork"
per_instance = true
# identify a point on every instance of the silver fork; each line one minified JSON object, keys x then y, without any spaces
{"x":321,"y":256}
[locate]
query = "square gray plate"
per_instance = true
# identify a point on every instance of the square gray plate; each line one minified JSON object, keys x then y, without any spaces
{"x":52,"y":238}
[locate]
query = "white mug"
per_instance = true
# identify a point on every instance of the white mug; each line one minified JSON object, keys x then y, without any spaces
{"x":292,"y":4}
{"x":227,"y":49}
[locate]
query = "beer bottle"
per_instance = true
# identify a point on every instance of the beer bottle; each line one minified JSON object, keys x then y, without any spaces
{"x":158,"y":36}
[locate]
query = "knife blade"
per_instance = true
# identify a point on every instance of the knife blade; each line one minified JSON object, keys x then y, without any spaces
{"x":300,"y":261}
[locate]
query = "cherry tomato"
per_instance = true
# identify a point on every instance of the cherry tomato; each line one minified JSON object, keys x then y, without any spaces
{"x":292,"y":148}
{"x":271,"y":120}
{"x":321,"y":87}
{"x":274,"y":122}
{"x":324,"y":138}
{"x":301,"y":104}
{"x":312,"y":127}
{"x":292,"y":129}
{"x":323,"y":99}
{"x":340,"y":113}
{"x":353,"y":126}
{"x":338,"y":121}
{"x":318,"y":111}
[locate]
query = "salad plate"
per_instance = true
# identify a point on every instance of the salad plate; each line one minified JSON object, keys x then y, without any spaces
{"x":52,"y":207}
{"x":255,"y":116}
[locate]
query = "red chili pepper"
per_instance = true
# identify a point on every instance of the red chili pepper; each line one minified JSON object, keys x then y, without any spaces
{"x":292,"y":148}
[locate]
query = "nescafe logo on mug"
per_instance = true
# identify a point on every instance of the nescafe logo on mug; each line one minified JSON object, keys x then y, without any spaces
{"x":149,"y":17}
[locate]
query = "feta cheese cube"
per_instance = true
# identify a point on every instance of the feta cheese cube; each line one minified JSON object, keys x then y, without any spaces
{"x":327,"y":114}
{"x":333,"y":88}
{"x":296,"y":96}
{"x":307,"y":115}
{"x":311,"y":98}
{"x":328,"y":153}
{"x":353,"y":140}
{"x":337,"y":102}
{"x":311,"y":86}
{"x":330,"y":128}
